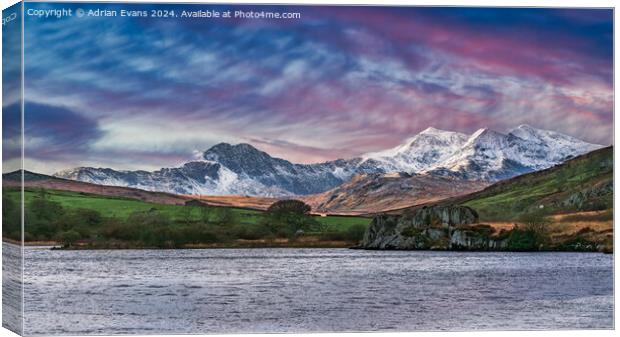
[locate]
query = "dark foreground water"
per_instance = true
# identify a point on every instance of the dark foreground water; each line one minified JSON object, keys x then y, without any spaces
{"x":308,"y":290}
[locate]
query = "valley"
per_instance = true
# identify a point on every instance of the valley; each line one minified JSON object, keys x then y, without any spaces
{"x":502,"y":179}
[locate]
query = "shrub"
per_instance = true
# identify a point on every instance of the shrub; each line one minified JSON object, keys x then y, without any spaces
{"x":334,"y":236}
{"x":11,"y":218}
{"x":68,"y":238}
{"x":584,"y":230}
{"x":44,"y":209}
{"x":250,"y":232}
{"x":151,"y":218}
{"x":80,"y":219}
{"x":225,"y":216}
{"x":356,"y":232}
{"x":205,"y":214}
{"x":199,"y":233}
{"x":289,"y":207}
{"x":537,"y":224}
{"x":482,"y":230}
{"x":522,"y":240}
{"x":286,"y":217}
{"x":121,"y":230}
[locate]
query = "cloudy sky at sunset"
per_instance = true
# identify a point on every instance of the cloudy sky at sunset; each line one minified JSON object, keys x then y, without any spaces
{"x":341,"y":81}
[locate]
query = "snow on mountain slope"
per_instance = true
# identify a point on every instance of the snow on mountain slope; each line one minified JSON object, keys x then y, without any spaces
{"x":421,"y":152}
{"x":491,"y":156}
{"x":230,"y":169}
{"x":561,"y":146}
{"x":241,"y":169}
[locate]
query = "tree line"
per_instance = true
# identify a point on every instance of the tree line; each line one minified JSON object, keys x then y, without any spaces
{"x":49,"y":220}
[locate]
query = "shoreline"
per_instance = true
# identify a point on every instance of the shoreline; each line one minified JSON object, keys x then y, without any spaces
{"x":234,"y":245}
{"x":324,"y":245}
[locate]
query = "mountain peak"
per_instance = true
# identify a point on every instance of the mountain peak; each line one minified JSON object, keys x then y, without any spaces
{"x":525,"y":127}
{"x":530,"y":133}
{"x":420,"y":152}
{"x":226,"y":148}
{"x":486,"y":138}
{"x":479,"y":132}
{"x":432,"y":130}
{"x":485,"y":133}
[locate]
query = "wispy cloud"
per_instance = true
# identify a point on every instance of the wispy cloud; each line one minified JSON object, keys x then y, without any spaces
{"x":341,"y":81}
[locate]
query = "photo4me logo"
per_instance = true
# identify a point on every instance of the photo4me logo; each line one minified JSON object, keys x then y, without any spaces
{"x":9,"y":18}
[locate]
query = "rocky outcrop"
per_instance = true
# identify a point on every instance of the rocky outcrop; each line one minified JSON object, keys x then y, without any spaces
{"x":436,"y":227}
{"x":476,"y":237}
{"x":595,"y":197}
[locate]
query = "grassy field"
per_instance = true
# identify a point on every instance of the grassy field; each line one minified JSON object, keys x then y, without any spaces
{"x":121,"y":208}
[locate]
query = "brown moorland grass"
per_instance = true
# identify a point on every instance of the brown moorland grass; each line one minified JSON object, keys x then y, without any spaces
{"x":597,"y":224}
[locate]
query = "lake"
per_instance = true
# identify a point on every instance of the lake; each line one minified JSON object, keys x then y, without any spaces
{"x":312,"y":290}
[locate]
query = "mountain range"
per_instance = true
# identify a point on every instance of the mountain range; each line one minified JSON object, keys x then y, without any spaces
{"x":225,"y":169}
{"x":484,"y":155}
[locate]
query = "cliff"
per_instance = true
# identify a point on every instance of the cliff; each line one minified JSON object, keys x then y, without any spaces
{"x":435,"y":227}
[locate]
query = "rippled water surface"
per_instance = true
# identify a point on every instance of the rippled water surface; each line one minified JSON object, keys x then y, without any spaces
{"x":297,"y":290}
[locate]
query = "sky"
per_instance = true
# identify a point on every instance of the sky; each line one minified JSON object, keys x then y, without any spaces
{"x":146,"y":93}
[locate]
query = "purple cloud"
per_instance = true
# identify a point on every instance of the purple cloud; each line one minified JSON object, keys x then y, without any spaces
{"x":340,"y":82}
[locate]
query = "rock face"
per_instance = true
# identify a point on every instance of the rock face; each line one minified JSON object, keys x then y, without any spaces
{"x":476,"y":237}
{"x":591,"y":198}
{"x":436,"y":227}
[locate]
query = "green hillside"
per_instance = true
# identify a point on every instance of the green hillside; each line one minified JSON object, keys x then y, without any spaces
{"x":584,"y":183}
{"x":50,"y":214}
{"x":120,"y":207}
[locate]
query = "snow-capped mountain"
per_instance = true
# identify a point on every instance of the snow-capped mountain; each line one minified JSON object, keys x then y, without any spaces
{"x":231,"y":169}
{"x":420,"y":153}
{"x":562,"y":144}
{"x":492,"y":156}
{"x":244,"y":170}
{"x":485,"y":155}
